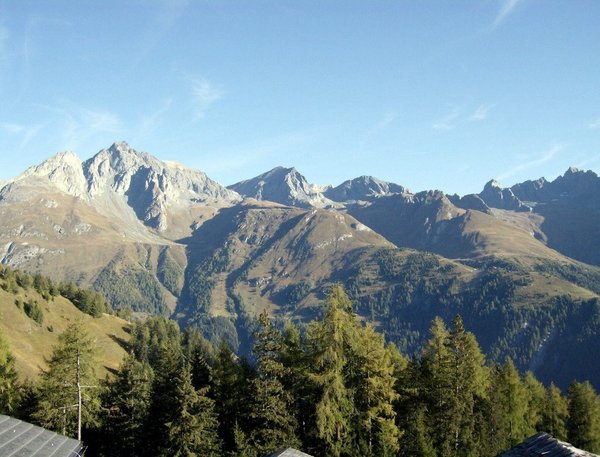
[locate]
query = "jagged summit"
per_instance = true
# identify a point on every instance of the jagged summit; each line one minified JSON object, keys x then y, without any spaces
{"x":363,"y":188}
{"x":493,"y":184}
{"x":572,"y":185}
{"x":121,"y":174}
{"x":283,"y":185}
{"x":63,"y":171}
{"x":494,"y":195}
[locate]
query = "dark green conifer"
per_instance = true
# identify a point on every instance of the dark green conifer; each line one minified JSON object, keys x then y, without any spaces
{"x":127,"y":403}
{"x":272,"y":420}
{"x":194,"y":428}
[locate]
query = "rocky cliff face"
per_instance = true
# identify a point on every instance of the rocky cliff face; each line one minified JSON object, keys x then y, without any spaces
{"x":149,"y":185}
{"x":496,"y":196}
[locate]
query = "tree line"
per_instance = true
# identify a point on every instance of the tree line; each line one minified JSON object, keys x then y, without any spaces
{"x":333,"y":389}
{"x":87,"y":301}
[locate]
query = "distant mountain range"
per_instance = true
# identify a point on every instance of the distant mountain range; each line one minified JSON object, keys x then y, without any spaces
{"x":521,"y":264}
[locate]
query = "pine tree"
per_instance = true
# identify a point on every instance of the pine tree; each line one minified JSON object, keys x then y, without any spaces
{"x":230,"y":392}
{"x":127,"y":403}
{"x":296,"y":380}
{"x":583,"y":425}
{"x":435,"y":370}
{"x":555,"y":413}
{"x":416,"y":441}
{"x":456,"y":378}
{"x":68,"y":390}
{"x":167,"y":376}
{"x":194,"y":428}
{"x":200,"y":354}
{"x":9,"y":389}
{"x":272,"y":420}
{"x":241,"y":446}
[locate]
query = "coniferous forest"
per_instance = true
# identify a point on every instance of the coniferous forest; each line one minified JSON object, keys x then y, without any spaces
{"x":331,"y":388}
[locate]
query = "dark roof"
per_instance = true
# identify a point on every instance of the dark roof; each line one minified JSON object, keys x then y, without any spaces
{"x":21,"y":439}
{"x":545,"y":445}
{"x":289,"y":452}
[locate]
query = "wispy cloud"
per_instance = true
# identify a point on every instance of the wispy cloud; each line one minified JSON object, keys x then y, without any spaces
{"x":544,"y":157}
{"x":588,"y":161}
{"x":595,"y":124}
{"x":447,"y":122}
{"x":380,"y":125}
{"x":150,"y":122}
{"x":481,"y":113}
{"x":25,"y":132}
{"x":506,"y":9}
{"x":241,"y":157}
{"x":79,"y":125}
{"x":205,"y":94}
{"x":166,"y":15}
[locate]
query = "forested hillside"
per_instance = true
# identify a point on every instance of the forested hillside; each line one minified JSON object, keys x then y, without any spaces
{"x":336,"y":388}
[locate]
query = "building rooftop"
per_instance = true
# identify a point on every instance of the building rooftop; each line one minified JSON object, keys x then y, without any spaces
{"x":289,"y":452}
{"x":18,"y":438}
{"x":545,"y":445}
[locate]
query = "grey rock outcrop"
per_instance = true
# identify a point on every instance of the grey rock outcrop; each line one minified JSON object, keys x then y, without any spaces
{"x":496,"y":196}
{"x":285,"y":186}
{"x":150,"y":187}
{"x":363,"y":188}
{"x":63,"y":171}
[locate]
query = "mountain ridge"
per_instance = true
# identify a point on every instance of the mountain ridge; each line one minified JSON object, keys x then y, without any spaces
{"x":160,"y":238}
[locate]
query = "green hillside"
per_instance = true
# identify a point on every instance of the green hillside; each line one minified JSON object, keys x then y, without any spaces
{"x":32,"y":321}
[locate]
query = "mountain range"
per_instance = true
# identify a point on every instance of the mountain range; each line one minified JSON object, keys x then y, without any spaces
{"x":520,"y":264}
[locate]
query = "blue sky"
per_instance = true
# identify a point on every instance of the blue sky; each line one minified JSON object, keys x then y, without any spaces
{"x":428,"y":94}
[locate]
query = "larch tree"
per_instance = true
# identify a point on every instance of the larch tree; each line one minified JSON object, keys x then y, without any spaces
{"x":9,"y":391}
{"x":555,"y":413}
{"x":536,"y":399}
{"x":329,"y":342}
{"x":68,"y":389}
{"x":583,"y":425}
{"x":370,"y":374}
{"x":509,"y":401}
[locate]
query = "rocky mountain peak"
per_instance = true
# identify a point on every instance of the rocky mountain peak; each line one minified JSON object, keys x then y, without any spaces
{"x":120,"y":178}
{"x":63,"y":171}
{"x":363,"y":188}
{"x":496,"y":196}
{"x":150,"y":185}
{"x":492,"y":184}
{"x":283,"y":185}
